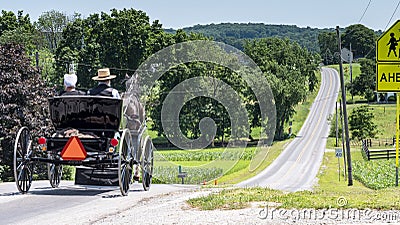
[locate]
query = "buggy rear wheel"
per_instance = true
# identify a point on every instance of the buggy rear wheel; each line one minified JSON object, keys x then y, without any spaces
{"x":147,"y":163}
{"x":124,"y":162}
{"x":23,"y":167}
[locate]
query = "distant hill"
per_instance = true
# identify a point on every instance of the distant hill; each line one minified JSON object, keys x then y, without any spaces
{"x":235,"y":33}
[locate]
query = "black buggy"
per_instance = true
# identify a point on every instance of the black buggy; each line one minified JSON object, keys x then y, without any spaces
{"x":91,"y":131}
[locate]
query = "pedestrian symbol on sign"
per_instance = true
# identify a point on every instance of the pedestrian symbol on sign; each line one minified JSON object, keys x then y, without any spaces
{"x":393,"y":43}
{"x":387,"y":45}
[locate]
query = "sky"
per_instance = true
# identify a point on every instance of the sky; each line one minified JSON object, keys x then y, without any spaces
{"x":184,"y":13}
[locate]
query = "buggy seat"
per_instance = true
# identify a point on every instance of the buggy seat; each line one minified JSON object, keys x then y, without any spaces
{"x":94,"y":113}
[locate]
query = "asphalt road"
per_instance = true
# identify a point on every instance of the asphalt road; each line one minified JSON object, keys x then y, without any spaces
{"x":297,"y":166}
{"x":74,"y":204}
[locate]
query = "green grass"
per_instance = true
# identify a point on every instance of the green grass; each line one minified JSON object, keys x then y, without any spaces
{"x":243,"y":172}
{"x":207,"y":154}
{"x":195,"y":175}
{"x":235,"y":170}
{"x":384,"y":118}
{"x":326,"y":195}
{"x":356,"y":71}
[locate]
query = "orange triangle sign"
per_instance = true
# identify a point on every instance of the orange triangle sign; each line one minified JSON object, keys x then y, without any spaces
{"x":74,"y":150}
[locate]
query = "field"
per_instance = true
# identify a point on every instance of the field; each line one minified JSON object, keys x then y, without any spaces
{"x":384,"y":118}
{"x":224,"y":166}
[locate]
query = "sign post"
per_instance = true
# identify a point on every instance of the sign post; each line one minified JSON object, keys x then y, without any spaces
{"x":388,"y":73}
{"x":338,"y":154}
{"x":397,"y":137}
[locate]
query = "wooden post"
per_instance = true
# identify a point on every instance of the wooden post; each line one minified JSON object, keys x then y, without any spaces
{"x":346,"y":125}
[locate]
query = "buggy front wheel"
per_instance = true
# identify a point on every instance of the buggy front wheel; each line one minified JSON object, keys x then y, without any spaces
{"x":124,"y":162}
{"x":54,"y":173}
{"x":147,"y":163}
{"x":23,"y":167}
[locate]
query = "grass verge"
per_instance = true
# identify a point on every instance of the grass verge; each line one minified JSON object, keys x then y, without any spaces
{"x":331,"y":193}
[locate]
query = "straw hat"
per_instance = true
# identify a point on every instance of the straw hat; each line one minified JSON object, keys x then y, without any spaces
{"x":104,"y":74}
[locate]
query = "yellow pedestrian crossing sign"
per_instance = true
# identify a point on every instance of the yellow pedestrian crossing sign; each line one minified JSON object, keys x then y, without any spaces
{"x":388,"y":45}
{"x":388,"y":73}
{"x":388,"y":77}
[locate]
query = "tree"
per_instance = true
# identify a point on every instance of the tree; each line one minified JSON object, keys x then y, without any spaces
{"x":20,"y":36}
{"x":328,"y":46}
{"x":17,"y":29}
{"x":51,"y":24}
{"x":199,"y":107}
{"x":365,"y":83}
{"x":290,"y":71}
{"x":23,"y":101}
{"x":362,"y":40}
{"x":361,"y":123}
{"x":121,"y":40}
{"x":10,"y":21}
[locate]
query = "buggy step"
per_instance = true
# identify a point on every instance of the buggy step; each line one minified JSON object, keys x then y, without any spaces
{"x":101,"y":177}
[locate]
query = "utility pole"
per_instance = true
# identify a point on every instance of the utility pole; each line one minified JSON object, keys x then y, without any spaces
{"x":351,"y":72}
{"x":344,"y":153}
{"x":346,"y":124}
{"x":337,"y":125}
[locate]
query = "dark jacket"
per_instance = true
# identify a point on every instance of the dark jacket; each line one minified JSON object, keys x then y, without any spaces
{"x":102,"y":90}
{"x":74,"y":92}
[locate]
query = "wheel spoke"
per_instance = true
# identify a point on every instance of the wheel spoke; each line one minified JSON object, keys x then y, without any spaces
{"x":20,"y":174}
{"x":19,"y":166}
{"x":24,"y":180}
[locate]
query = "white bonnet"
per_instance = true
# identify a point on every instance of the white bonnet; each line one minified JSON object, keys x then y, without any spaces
{"x":70,"y":80}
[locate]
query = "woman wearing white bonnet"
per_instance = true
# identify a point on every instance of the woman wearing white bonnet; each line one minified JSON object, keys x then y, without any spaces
{"x":70,"y":84}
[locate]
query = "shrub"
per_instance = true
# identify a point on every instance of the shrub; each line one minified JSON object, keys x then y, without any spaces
{"x":23,"y":102}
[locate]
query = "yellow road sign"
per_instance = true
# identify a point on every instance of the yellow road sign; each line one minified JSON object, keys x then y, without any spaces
{"x":388,"y":77}
{"x":388,"y":45}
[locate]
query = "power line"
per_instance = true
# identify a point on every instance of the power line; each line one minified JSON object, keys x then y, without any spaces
{"x":365,"y":11}
{"x":392,"y":15}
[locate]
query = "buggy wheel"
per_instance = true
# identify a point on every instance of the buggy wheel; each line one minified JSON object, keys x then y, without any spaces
{"x":54,"y":173}
{"x":124,"y":162}
{"x":23,"y":168}
{"x":147,"y":163}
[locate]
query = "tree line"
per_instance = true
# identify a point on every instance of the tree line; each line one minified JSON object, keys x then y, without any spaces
{"x":322,"y":41}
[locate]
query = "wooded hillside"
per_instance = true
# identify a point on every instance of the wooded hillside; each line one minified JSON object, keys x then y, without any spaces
{"x":235,"y":33}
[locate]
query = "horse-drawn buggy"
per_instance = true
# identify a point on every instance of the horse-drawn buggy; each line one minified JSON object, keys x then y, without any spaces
{"x":92,"y":132}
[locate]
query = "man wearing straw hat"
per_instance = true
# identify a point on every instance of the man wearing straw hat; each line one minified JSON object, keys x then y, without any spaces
{"x":104,"y":88}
